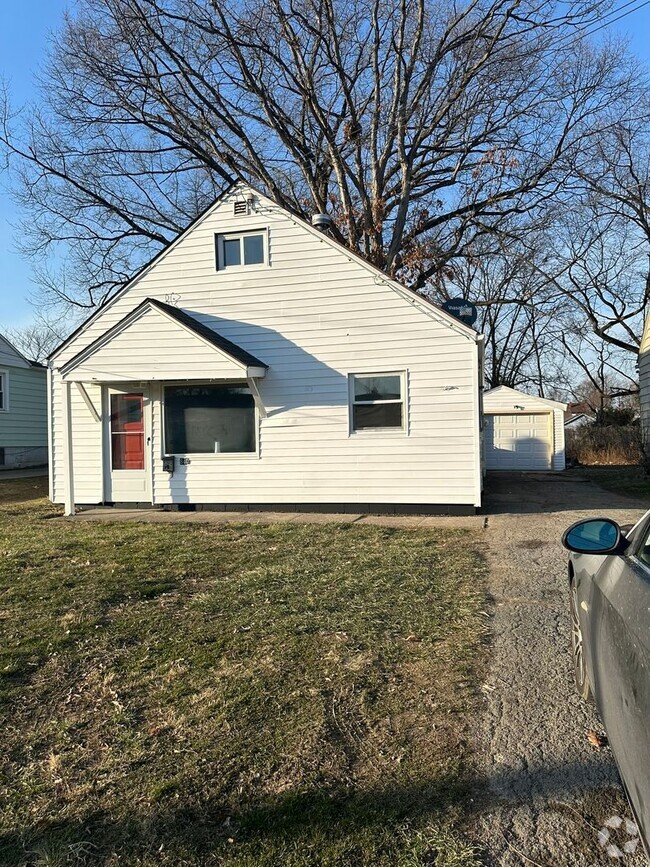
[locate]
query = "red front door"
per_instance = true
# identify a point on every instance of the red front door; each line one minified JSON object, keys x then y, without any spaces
{"x":127,"y":431}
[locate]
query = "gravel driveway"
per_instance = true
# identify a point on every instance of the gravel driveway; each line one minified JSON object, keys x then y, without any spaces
{"x":549,"y":791}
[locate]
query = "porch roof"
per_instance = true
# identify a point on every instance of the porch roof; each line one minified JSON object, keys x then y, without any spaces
{"x":156,"y":341}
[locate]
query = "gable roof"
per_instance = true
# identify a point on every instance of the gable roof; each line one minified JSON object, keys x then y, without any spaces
{"x":13,"y":351}
{"x":408,"y":294}
{"x":505,"y":390}
{"x":234,"y":354}
{"x":206,"y":333}
{"x":570,"y":419}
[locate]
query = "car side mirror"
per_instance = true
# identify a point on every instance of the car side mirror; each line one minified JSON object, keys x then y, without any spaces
{"x":595,"y":536}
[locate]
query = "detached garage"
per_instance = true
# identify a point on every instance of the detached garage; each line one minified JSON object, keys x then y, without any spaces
{"x":522,"y":431}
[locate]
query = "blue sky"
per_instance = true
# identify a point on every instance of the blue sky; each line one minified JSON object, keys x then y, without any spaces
{"x":24,"y":30}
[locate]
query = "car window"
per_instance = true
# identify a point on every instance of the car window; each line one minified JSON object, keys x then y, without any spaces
{"x":643,"y":548}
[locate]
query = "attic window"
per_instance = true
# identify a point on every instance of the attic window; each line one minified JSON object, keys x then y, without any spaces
{"x":241,"y":249}
{"x":240,"y":209}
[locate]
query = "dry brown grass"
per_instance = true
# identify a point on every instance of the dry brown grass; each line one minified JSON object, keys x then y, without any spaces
{"x":604,"y":446}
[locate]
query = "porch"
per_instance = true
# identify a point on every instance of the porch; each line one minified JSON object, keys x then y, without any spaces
{"x":159,"y":384}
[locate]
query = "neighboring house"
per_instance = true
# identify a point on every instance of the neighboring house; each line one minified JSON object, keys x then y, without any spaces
{"x":523,"y":431}
{"x":578,"y":419}
{"x":256,"y":362}
{"x":578,"y":414}
{"x":23,"y":409}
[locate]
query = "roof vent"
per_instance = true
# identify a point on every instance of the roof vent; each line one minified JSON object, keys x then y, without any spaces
{"x":322,"y":222}
{"x":240,"y":208}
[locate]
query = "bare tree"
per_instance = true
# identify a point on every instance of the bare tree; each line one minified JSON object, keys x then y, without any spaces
{"x":583,"y":265}
{"x":521,"y":315}
{"x":598,"y":236}
{"x":601,"y":262}
{"x":37,"y":340}
{"x":605,"y":370}
{"x":420,"y":125}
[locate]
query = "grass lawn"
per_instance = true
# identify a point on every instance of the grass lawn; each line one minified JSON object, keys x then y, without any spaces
{"x":234,"y":694}
{"x":629,"y":481}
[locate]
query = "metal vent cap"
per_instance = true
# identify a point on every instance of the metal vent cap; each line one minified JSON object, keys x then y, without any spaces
{"x":321,"y":221}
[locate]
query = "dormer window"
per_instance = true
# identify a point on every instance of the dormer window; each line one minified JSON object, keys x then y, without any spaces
{"x":241,"y":250}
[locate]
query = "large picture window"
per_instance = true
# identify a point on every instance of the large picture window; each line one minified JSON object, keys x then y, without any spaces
{"x":209,"y":419}
{"x":377,"y":401}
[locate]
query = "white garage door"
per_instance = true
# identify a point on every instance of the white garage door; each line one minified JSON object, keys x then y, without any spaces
{"x":518,"y":442}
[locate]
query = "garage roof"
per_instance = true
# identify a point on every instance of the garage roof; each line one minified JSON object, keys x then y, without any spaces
{"x":521,"y":400}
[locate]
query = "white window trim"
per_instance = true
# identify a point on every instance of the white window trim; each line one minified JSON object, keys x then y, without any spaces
{"x":208,"y":456}
{"x":231,"y":236}
{"x":380,"y":431}
{"x":4,"y":376}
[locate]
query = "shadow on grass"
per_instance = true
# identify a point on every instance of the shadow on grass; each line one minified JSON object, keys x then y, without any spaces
{"x":309,"y":820}
{"x":292,"y":821}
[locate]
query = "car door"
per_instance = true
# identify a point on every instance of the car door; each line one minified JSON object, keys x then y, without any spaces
{"x":619,"y":639}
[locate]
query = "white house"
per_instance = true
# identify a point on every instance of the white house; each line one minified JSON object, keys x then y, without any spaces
{"x":23,"y":409}
{"x":523,"y":431}
{"x":257,"y":363}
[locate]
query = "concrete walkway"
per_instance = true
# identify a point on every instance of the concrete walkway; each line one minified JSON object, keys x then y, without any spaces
{"x":158,"y":516}
{"x":28,"y":473}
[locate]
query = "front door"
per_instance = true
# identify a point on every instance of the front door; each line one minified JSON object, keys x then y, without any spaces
{"x":127,"y":439}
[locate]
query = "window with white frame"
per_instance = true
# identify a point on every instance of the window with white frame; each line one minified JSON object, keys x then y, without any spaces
{"x":209,"y":419}
{"x":4,"y":390}
{"x":377,"y":401}
{"x":241,"y":249}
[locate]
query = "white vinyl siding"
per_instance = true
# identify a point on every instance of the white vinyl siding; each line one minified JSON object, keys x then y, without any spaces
{"x":87,"y":440}
{"x":314,"y":317}
{"x":135,"y":354}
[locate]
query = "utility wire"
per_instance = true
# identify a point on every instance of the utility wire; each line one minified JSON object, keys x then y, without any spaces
{"x":587,"y":29}
{"x":624,"y":15}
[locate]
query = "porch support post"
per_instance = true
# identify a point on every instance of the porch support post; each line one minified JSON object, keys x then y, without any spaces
{"x":91,"y":406}
{"x":67,"y":447}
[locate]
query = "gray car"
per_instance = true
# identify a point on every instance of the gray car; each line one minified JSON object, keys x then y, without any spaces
{"x":609,"y":575}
